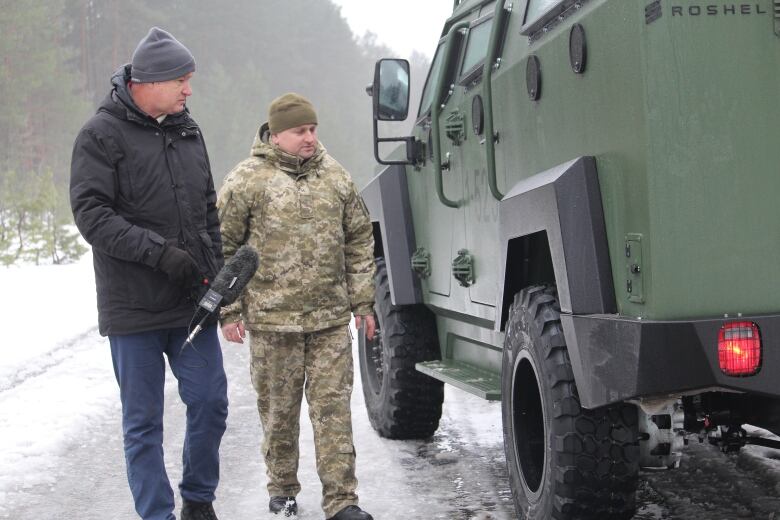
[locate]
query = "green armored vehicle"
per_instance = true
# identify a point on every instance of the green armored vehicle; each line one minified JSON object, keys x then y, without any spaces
{"x":584,"y":225}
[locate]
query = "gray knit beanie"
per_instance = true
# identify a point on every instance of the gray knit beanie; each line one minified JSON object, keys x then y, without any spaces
{"x":160,"y":57}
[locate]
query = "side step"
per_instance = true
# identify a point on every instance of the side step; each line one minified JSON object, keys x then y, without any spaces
{"x":474,"y":380}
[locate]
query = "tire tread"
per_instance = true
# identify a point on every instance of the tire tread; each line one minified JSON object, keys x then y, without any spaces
{"x":409,"y":407}
{"x":597,"y":471}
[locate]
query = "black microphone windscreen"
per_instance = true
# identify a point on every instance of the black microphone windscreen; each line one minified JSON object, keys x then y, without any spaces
{"x":236,"y":273}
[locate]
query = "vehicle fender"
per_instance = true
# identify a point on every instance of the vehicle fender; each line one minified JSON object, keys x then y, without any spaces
{"x":387,"y":199}
{"x":564,"y":202}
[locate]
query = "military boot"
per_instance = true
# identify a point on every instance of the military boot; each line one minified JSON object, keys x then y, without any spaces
{"x":284,"y":506}
{"x":197,"y":511}
{"x":351,"y":513}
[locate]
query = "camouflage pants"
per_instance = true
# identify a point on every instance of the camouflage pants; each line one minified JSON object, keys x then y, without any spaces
{"x":284,"y":364}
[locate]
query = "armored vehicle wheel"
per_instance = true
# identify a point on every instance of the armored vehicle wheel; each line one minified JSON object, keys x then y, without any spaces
{"x":402,"y":403}
{"x":564,"y":461}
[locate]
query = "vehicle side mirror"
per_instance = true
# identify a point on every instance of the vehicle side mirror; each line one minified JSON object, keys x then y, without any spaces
{"x":391,"y":90}
{"x":390,"y":93}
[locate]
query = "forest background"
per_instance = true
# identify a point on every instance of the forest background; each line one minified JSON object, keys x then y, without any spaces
{"x":57,"y":57}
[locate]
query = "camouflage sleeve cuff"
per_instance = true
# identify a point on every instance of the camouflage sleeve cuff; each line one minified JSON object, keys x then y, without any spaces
{"x":230,"y":314}
{"x":363,"y":310}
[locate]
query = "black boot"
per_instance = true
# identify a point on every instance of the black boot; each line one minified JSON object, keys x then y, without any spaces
{"x":285,"y":506}
{"x":351,"y":513}
{"x":197,"y":511}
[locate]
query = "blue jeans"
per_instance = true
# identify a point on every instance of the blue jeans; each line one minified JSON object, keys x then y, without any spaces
{"x":139,"y":367}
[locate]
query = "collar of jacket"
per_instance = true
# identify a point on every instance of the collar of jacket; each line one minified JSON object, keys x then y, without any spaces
{"x":288,"y":163}
{"x":120,"y":103}
{"x":295,"y":165}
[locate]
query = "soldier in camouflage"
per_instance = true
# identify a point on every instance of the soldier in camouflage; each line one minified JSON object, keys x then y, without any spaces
{"x":301,"y":211}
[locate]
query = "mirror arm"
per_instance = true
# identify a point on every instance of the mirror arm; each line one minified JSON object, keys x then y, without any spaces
{"x":410,"y":146}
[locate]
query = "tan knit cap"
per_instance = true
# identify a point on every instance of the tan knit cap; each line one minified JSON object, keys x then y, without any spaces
{"x":290,"y":110}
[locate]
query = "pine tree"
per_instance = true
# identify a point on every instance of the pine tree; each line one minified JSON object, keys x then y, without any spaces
{"x":57,"y":57}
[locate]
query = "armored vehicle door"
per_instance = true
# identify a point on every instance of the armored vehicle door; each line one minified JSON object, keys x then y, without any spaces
{"x":464,"y":125}
{"x":435,"y":224}
{"x":463,"y":138}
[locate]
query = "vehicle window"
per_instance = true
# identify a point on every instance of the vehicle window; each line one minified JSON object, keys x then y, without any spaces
{"x":476,"y":46}
{"x":536,"y":8}
{"x":433,"y":73}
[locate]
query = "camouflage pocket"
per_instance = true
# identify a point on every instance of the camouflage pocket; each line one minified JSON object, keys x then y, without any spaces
{"x":347,"y":449}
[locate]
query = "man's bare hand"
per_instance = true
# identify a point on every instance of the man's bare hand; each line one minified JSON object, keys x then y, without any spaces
{"x":370,"y":325}
{"x":234,"y":332}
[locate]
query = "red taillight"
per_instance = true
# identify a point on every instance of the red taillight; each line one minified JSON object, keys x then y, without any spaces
{"x":739,"y":348}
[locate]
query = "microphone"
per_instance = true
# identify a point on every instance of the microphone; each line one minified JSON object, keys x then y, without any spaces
{"x":227,"y":285}
{"x":231,"y":279}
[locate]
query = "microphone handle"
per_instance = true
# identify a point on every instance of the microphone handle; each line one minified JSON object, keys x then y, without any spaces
{"x":194,"y":332}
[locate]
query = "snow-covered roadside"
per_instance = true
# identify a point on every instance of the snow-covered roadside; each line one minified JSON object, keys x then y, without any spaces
{"x":43,"y":308}
{"x":53,"y":409}
{"x":55,"y":370}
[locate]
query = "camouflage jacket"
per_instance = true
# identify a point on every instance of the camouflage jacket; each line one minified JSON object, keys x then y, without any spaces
{"x":314,"y":237}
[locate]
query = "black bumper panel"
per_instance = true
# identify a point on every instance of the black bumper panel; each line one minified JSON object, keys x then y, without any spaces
{"x":615,"y":359}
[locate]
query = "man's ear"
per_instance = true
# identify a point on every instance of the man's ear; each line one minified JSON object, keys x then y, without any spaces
{"x":275,"y":139}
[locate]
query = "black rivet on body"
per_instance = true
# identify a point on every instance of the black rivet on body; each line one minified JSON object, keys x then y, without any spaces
{"x":533,"y":78}
{"x":577,"y":48}
{"x":477,"y":115}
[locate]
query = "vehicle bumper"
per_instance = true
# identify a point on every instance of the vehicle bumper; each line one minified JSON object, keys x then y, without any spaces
{"x":616,"y":358}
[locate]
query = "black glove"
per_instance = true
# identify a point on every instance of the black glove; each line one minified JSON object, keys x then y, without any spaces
{"x":179,"y":266}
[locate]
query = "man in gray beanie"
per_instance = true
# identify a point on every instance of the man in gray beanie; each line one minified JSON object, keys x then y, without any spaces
{"x":143,"y":196}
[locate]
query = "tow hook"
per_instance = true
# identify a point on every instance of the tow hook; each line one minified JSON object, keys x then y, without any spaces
{"x":731,"y":438}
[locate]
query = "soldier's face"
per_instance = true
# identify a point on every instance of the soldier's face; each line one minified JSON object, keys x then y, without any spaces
{"x":300,"y":140}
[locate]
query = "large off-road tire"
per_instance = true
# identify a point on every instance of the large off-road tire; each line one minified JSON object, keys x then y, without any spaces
{"x":402,"y":403}
{"x":564,"y":462}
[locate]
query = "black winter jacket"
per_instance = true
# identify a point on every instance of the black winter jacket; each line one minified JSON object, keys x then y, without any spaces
{"x":136,"y":185}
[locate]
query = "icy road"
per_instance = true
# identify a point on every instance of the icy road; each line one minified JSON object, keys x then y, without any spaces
{"x":61,"y":453}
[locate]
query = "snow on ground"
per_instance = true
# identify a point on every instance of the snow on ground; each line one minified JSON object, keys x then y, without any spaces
{"x":50,"y":391}
{"x":44,"y":308}
{"x":57,"y":384}
{"x":58,"y":390}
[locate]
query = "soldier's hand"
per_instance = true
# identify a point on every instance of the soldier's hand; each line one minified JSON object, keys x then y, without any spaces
{"x":234,"y":332}
{"x":370,"y":325}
